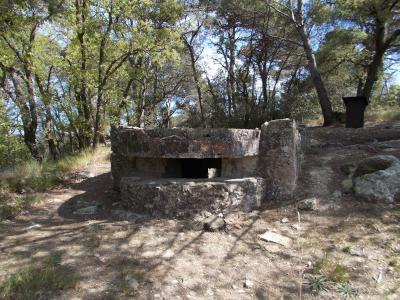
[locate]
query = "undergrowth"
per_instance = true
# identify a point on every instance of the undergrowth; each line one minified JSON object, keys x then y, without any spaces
{"x":12,"y":204}
{"x":331,"y":269}
{"x":327,"y":274}
{"x":19,"y":185}
{"x":383,"y":114}
{"x":32,"y":280}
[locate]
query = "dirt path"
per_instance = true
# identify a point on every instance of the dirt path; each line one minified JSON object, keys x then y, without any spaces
{"x":130,"y":256}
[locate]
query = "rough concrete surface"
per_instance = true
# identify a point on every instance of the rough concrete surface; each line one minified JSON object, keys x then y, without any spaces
{"x":176,"y":196}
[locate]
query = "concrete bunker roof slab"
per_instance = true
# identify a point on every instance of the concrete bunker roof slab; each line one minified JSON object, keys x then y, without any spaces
{"x":187,"y":142}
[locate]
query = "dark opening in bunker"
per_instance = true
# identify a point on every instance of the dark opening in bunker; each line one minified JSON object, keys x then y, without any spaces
{"x":194,"y":168}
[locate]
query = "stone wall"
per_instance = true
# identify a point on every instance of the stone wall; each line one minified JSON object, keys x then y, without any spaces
{"x":171,"y":197}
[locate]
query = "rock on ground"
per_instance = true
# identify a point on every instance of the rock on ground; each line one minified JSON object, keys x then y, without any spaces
{"x":377,"y":179}
{"x":309,"y":204}
{"x":214,"y":223}
{"x":276,"y":238}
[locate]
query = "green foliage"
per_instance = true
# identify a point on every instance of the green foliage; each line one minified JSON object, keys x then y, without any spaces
{"x":331,"y":269}
{"x":346,"y":291}
{"x":12,"y":148}
{"x":32,"y":279}
{"x":316,"y":283}
{"x":94,"y":64}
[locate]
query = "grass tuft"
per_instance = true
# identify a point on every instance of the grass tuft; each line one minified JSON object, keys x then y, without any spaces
{"x":346,"y":291}
{"x":316,"y":283}
{"x":331,"y":269}
{"x":31,"y":280}
{"x":12,"y":204}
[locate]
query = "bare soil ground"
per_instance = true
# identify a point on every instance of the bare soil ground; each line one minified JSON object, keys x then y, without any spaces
{"x":176,"y":259}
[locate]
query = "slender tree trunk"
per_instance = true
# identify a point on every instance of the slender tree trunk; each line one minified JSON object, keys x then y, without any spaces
{"x":81,"y":8}
{"x":30,"y":135}
{"x":381,"y":45}
{"x":326,"y":106}
{"x":196,"y":81}
{"x":232,"y":62}
{"x":325,"y":103}
{"x":264,"y":86}
{"x":97,"y":120}
{"x":48,"y":132}
{"x":372,"y":74}
{"x":53,"y":149}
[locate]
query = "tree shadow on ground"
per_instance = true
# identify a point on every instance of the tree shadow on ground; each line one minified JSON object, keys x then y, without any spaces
{"x":155,"y":250}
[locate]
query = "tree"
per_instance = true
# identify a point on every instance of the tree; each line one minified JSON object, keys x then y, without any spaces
{"x":18,"y":37}
{"x":379,"y":20}
{"x":302,"y":21}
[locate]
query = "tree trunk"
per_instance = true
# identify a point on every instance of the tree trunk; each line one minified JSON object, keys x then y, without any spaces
{"x":326,"y":106}
{"x":30,"y":131}
{"x":48,"y":132}
{"x":377,"y":61}
{"x":82,"y":97}
{"x":97,"y":120}
{"x":196,"y":81}
{"x":232,"y":61}
{"x":325,"y":103}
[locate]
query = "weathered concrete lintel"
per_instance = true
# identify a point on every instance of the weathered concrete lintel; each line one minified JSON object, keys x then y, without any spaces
{"x":185,"y":142}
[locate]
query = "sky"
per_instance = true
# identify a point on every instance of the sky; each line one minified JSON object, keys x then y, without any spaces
{"x":209,"y":57}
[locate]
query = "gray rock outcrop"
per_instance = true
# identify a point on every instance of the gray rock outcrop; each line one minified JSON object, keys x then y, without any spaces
{"x":377,"y":179}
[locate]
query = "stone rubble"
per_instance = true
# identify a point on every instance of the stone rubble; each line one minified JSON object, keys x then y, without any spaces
{"x":276,"y":238}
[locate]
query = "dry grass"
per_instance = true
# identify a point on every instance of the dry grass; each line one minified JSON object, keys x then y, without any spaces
{"x":378,"y":115}
{"x":19,"y":185}
{"x":39,"y":177}
{"x":372,"y":114}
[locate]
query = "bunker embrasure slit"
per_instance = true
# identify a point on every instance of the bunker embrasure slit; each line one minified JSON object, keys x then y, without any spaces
{"x":200,"y":168}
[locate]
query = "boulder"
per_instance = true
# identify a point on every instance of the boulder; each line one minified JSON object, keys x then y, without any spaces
{"x":214,"y":223}
{"x":377,"y":179}
{"x":373,"y":164}
{"x":347,"y":185}
{"x":309,"y":204}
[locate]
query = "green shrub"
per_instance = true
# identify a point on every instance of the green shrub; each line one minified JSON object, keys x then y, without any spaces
{"x":346,"y":291}
{"x":316,"y":283}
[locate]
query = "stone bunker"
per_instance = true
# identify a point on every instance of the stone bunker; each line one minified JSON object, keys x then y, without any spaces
{"x":179,"y":170}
